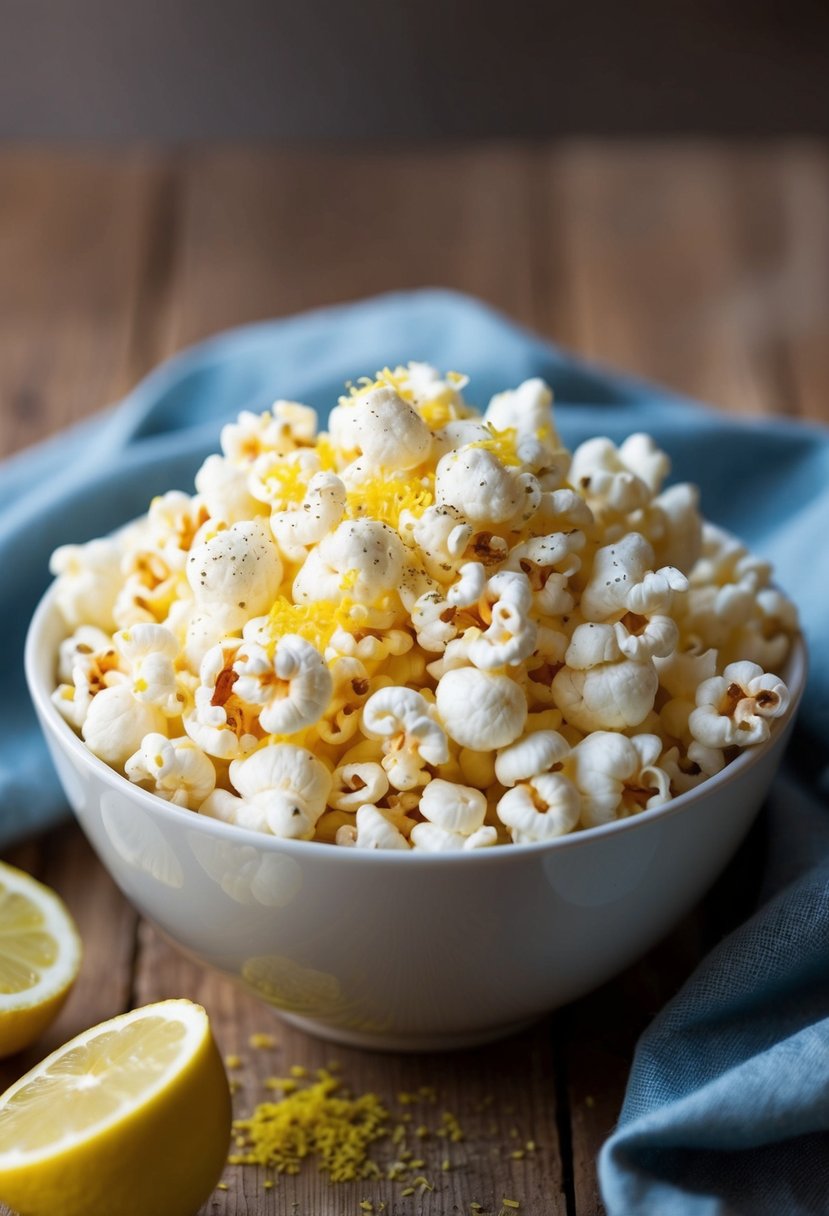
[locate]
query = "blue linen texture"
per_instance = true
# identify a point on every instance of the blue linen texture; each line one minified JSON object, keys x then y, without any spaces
{"x":727,"y":1107}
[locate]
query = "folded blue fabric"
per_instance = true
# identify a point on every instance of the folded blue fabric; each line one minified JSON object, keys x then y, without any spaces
{"x":728,"y":1104}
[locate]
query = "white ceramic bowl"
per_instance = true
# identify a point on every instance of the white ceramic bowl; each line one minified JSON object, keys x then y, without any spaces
{"x":405,"y":951}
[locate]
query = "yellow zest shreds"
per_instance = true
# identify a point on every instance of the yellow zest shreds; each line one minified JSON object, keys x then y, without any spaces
{"x":385,"y":499}
{"x":287,"y":483}
{"x":262,"y":1041}
{"x":503,"y":444}
{"x":450,"y":1127}
{"x":233,"y":1061}
{"x":326,"y":453}
{"x":318,"y":1122}
{"x":511,"y":1203}
{"x":315,"y":622}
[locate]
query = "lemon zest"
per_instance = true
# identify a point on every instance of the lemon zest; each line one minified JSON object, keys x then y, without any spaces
{"x":503,"y":444}
{"x":385,"y":499}
{"x":317,"y":1121}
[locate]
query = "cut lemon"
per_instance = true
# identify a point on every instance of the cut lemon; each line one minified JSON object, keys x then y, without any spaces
{"x":131,"y":1117}
{"x":40,"y":953}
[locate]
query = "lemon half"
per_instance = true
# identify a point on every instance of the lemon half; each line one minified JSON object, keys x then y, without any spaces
{"x":40,"y":953}
{"x":131,"y":1117}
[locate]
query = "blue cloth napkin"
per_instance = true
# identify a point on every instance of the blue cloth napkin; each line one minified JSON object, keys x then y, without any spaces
{"x":727,"y":1108}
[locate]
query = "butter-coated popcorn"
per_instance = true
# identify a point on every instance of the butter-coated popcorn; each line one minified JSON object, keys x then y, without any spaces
{"x":424,"y":629}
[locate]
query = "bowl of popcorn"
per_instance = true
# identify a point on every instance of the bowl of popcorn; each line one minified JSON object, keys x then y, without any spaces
{"x":421,"y":725}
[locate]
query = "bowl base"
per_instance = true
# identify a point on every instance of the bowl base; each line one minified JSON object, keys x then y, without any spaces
{"x":411,"y":1042}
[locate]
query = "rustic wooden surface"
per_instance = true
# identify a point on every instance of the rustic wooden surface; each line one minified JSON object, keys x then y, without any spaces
{"x":702,"y":266}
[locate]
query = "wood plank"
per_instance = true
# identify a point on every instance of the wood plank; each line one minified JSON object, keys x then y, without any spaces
{"x":265,"y":233}
{"x":79,"y":261}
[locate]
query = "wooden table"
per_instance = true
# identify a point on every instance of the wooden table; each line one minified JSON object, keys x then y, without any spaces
{"x":699,"y":265}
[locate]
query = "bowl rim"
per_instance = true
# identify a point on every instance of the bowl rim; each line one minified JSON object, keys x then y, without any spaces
{"x":796,"y":667}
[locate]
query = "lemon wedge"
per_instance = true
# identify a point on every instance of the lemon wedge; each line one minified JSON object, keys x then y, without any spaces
{"x":40,"y":953}
{"x":131,"y":1117}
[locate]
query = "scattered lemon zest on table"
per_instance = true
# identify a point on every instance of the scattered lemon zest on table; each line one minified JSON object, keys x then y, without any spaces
{"x":262,"y":1042}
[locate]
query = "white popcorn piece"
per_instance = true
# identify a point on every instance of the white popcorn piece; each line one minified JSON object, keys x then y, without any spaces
{"x":387,"y":432}
{"x":619,"y":480}
{"x":116,"y":723}
{"x":404,"y":720}
{"x":428,"y":838}
{"x":511,"y":634}
{"x":469,"y":586}
{"x":534,"y":753}
{"x":542,"y":808}
{"x":680,"y":542}
{"x":622,"y":579}
{"x":681,"y":672}
{"x":618,"y":776}
{"x":306,"y":524}
{"x":282,"y":791}
{"x":453,"y":808}
{"x":286,"y":426}
{"x":361,"y":557}
{"x":549,"y":562}
{"x":475,"y":483}
{"x":480,"y":709}
{"x":223,"y":487}
{"x":609,"y":696}
{"x":87,"y":663}
{"x":455,"y":818}
{"x":734,"y":709}
{"x":687,"y":771}
{"x":356,"y":785}
{"x":293,"y":688}
{"x":441,"y":534}
{"x":88,"y":582}
{"x":237,"y":568}
{"x":149,"y":653}
{"x":205,"y":628}
{"x":175,"y":769}
{"x":372,"y":830}
{"x":172,"y":522}
{"x":220,"y":723}
{"x":427,"y":386}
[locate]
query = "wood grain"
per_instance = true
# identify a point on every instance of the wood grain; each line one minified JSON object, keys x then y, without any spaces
{"x":700,"y":265}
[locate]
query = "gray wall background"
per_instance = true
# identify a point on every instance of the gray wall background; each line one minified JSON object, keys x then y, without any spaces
{"x":178,"y":70}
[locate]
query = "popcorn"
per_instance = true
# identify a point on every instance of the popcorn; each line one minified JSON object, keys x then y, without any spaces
{"x":474,"y":482}
{"x":424,"y":629}
{"x":149,"y":653}
{"x":355,"y":785}
{"x":540,"y":809}
{"x":175,"y":769}
{"x":306,"y":524}
{"x":293,"y":688}
{"x":412,"y":738}
{"x":617,"y":776}
{"x":480,"y":709}
{"x":733,"y":710}
{"x":362,"y":557}
{"x":88,"y":582}
{"x":223,"y":487}
{"x":282,"y":791}
{"x":116,"y":723}
{"x":238,"y":569}
{"x":371,"y":830}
